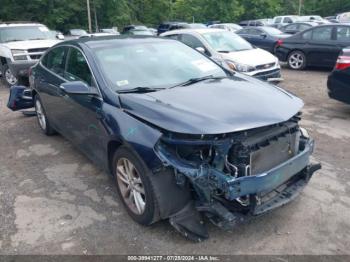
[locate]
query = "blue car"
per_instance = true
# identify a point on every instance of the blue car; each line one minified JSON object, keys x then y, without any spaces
{"x":264,"y":37}
{"x":183,"y":137}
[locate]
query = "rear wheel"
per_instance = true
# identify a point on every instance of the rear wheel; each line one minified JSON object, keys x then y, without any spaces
{"x":297,"y":60}
{"x":8,"y":78}
{"x":42,"y":118}
{"x":134,"y":184}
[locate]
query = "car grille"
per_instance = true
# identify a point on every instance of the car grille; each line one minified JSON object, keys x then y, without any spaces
{"x":267,"y":73}
{"x":265,"y":66}
{"x":36,"y":53}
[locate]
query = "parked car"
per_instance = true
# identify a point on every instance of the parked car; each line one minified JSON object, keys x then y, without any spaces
{"x":144,"y":32}
{"x":339,"y":80}
{"x":127,"y":28}
{"x":228,"y":27}
{"x":251,"y":23}
{"x":264,"y":37}
{"x":76,"y":33}
{"x":21,"y":45}
{"x":317,"y":46}
{"x":297,"y":27}
{"x":313,"y":18}
{"x":109,"y":31}
{"x":332,"y":19}
{"x":166,"y":26}
{"x":230,"y":49}
{"x":344,"y":17}
{"x":183,"y":137}
{"x":280,"y":21}
{"x":153,"y":31}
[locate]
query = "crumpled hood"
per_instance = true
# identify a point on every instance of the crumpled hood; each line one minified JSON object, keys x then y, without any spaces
{"x":25,"y":45}
{"x":252,"y":57}
{"x":214,"y":106}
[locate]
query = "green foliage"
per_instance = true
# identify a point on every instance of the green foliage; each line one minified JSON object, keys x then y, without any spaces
{"x":65,"y":14}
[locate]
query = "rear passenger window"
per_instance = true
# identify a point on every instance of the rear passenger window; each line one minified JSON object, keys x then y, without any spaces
{"x":191,"y":41}
{"x":307,"y":35}
{"x":322,"y":34}
{"x":278,"y":20}
{"x":288,"y":20}
{"x":175,"y":37}
{"x":54,"y":60}
{"x":343,"y":33}
{"x":77,"y":67}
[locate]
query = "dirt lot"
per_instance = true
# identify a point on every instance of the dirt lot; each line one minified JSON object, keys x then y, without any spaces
{"x":54,"y":201}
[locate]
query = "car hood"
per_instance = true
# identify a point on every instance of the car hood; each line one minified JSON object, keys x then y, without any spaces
{"x":214,"y":106}
{"x":28,"y":44}
{"x":252,"y":57}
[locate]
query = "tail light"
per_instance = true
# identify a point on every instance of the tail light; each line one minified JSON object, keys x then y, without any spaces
{"x":343,"y":62}
{"x":279,"y":43}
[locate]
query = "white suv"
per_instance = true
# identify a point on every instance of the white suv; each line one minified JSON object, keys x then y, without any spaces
{"x":21,"y":46}
{"x":280,"y":21}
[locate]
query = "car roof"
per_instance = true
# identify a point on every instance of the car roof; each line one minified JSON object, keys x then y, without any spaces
{"x":95,"y":41}
{"x":194,"y":30}
{"x":19,"y":23}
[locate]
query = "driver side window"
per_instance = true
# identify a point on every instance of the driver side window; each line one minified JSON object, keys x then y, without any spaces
{"x":77,"y":68}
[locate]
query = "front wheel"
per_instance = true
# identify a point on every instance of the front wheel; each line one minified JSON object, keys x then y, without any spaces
{"x":134,"y":184}
{"x":297,"y":60}
{"x":42,"y":118}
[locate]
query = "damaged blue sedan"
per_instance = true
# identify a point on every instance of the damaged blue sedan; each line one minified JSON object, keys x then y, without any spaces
{"x":184,"y":138}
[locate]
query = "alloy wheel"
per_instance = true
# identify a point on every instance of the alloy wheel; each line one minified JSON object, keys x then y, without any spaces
{"x":10,"y":78}
{"x":296,"y":60}
{"x":131,"y":186}
{"x":40,"y":114}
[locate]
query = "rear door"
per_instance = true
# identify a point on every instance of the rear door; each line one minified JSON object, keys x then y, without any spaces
{"x":321,"y":49}
{"x":48,"y":78}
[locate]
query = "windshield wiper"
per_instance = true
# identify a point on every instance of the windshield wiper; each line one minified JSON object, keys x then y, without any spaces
{"x":198,"y":79}
{"x":223,"y":51}
{"x":139,"y":89}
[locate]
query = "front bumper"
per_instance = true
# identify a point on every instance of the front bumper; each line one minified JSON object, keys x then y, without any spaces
{"x":21,"y":68}
{"x":270,"y":76}
{"x":205,"y":179}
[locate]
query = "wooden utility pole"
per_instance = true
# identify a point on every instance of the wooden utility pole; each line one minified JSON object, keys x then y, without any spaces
{"x":300,"y":4}
{"x":89,"y":15}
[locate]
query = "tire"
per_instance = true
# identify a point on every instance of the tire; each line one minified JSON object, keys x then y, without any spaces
{"x":7,"y":77}
{"x":43,"y":122}
{"x":297,"y":60}
{"x":142,"y":186}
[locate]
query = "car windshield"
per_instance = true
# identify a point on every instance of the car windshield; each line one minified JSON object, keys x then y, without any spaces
{"x":272,"y":31}
{"x":224,"y":41}
{"x":162,"y":64}
{"x":22,"y":33}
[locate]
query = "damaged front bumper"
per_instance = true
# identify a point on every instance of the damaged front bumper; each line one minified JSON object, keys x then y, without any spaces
{"x":265,"y":191}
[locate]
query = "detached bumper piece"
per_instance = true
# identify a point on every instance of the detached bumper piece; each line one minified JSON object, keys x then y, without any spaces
{"x":20,"y":98}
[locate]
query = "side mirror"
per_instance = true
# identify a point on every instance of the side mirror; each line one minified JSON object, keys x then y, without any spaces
{"x":200,"y":49}
{"x":77,"y":88}
{"x":263,"y":35}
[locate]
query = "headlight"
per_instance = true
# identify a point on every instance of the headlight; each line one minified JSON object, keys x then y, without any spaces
{"x":239,"y":67}
{"x":19,"y":54}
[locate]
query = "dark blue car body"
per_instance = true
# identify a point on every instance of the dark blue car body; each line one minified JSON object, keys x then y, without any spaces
{"x":216,"y":113}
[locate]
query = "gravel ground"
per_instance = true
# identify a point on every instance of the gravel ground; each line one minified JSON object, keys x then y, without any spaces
{"x":54,"y":201}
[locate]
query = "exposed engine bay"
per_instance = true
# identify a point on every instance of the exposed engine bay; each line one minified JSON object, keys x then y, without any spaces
{"x":236,"y":175}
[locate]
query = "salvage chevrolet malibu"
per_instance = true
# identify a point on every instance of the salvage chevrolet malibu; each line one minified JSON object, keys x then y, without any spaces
{"x":183,"y":137}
